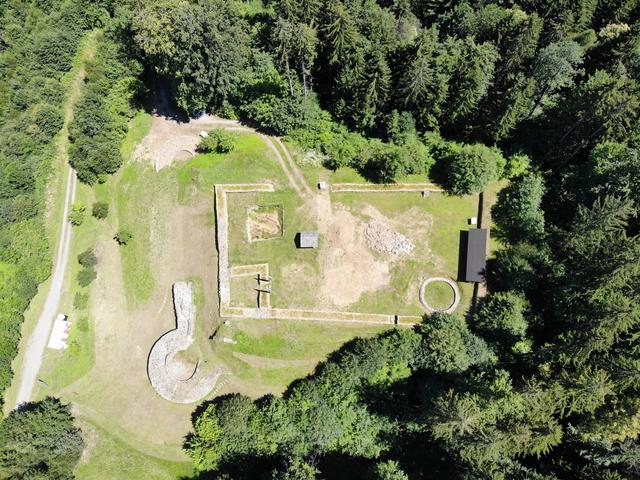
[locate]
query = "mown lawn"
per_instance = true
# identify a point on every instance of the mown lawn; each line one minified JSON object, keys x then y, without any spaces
{"x":249,"y":162}
{"x":278,"y":252}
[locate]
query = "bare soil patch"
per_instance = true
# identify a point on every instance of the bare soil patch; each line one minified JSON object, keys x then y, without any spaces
{"x":183,"y":155}
{"x":264,"y":222}
{"x":349,"y":267}
{"x":170,"y":140}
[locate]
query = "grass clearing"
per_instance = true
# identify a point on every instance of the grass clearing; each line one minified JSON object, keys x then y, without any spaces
{"x":173,"y":239}
{"x":250,"y":162}
{"x":281,"y":253}
{"x":244,"y":291}
{"x":133,"y":193}
{"x":434,"y":224}
{"x":139,"y":127}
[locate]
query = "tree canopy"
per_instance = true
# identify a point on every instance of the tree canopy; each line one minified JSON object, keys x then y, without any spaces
{"x":39,"y":441}
{"x":540,"y":380}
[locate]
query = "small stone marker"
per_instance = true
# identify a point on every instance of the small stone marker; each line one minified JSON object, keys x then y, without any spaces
{"x":473,"y":221}
{"x":322,"y":185}
{"x":229,"y":340}
{"x":425,"y":193}
{"x":203,"y":134}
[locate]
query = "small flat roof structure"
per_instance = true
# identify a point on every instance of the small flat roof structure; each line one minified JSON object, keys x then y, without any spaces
{"x":59,"y":333}
{"x":308,"y":240}
{"x":476,"y":254}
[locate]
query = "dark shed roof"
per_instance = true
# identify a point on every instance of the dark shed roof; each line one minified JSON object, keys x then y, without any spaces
{"x":476,"y":254}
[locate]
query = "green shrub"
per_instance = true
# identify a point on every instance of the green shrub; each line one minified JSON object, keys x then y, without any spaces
{"x":518,"y":214}
{"x":40,"y":440}
{"x":470,"y":168}
{"x":48,"y":120}
{"x":389,"y":163}
{"x":384,"y":162}
{"x":80,"y":301}
{"x":219,"y":141}
{"x":93,"y":157}
{"x":83,"y":324}
{"x":345,"y":149}
{"x":501,"y":317}
{"x":448,"y":345}
{"x":100,"y":210}
{"x":389,"y":470}
{"x":123,"y":236}
{"x":88,"y":258}
{"x":55,"y":51}
{"x":281,"y":114}
{"x":517,"y":165}
{"x":101,"y":116}
{"x":76,"y":216}
{"x":86,"y":276}
{"x":296,"y":469}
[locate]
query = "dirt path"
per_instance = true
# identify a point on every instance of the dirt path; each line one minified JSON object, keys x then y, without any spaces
{"x":38,"y":339}
{"x":297,"y":173}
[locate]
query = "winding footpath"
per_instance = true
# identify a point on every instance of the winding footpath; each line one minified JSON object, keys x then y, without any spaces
{"x":35,"y":346}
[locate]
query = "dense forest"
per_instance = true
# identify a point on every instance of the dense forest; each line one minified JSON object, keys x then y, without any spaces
{"x":542,"y":380}
{"x":37,"y":47}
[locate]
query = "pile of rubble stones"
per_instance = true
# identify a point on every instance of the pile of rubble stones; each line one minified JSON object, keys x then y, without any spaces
{"x":383,"y":239}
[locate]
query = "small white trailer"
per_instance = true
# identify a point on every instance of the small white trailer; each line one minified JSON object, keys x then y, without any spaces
{"x":60,"y":333}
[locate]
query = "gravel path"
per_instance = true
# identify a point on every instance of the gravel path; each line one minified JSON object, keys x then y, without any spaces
{"x":38,"y":339}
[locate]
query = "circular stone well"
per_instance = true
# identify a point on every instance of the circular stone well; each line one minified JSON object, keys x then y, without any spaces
{"x":456,"y":295}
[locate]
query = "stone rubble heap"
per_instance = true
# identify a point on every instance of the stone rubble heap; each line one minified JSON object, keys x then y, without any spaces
{"x":381,"y":238}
